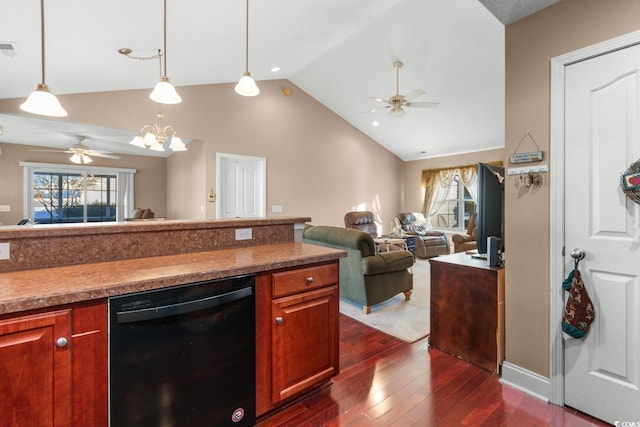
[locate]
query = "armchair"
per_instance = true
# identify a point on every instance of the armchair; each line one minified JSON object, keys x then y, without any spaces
{"x":466,"y":242}
{"x":366,"y":277}
{"x":429,"y":243}
{"x":363,"y":221}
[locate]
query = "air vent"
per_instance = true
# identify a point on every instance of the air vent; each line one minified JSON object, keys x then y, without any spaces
{"x":8,"y":49}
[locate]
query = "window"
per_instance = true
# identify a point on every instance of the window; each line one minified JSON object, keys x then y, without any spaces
{"x":70,"y":194}
{"x":449,"y":196}
{"x":457,"y":208}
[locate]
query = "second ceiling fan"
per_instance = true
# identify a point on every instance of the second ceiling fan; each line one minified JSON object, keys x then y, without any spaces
{"x":80,"y":152}
{"x":398,"y":102}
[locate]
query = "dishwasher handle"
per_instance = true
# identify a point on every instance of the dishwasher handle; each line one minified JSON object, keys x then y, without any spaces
{"x":151,"y":313}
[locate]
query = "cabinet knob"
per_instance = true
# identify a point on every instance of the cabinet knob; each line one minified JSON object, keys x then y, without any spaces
{"x":310,"y":279}
{"x":279,"y":320}
{"x":61,"y":342}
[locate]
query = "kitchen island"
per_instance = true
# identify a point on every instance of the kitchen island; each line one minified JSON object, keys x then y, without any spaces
{"x":53,"y":317}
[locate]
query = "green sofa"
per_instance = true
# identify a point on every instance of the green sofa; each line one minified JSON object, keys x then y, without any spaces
{"x":366,"y":277}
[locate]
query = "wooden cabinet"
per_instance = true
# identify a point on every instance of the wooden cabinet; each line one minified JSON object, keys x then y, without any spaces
{"x":467,"y":309}
{"x":53,"y":370}
{"x":297,"y":335}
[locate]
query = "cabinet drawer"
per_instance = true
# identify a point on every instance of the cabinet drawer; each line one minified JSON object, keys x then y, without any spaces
{"x":303,"y":279}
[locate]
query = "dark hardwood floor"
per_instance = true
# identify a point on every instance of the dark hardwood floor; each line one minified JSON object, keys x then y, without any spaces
{"x":386,"y":382}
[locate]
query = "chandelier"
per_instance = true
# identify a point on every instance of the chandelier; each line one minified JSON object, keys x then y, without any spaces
{"x":154,"y":137}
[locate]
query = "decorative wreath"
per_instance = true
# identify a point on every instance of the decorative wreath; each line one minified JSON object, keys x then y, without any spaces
{"x":630,"y":182}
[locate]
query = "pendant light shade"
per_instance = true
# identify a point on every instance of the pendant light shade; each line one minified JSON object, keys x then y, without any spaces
{"x":247,"y":86}
{"x":164,"y":92}
{"x":42,"y":101}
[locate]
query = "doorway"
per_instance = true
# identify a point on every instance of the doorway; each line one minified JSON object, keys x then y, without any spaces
{"x":241,"y":186}
{"x":595,"y":106}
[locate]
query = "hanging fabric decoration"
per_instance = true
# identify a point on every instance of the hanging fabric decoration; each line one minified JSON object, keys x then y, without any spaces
{"x":578,"y":313}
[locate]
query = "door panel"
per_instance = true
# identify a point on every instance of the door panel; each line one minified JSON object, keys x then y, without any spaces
{"x":241,"y":186}
{"x":602,"y":371}
{"x":34,"y":372}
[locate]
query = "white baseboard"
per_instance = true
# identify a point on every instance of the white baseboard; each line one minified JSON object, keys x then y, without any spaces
{"x":526,"y":381}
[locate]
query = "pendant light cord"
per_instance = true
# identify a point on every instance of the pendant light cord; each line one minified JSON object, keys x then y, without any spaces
{"x":42,"y":36}
{"x":164,"y":30}
{"x":246,"y":44}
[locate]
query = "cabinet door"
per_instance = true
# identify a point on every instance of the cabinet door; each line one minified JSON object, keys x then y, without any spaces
{"x":304,"y":341}
{"x":35,"y":373}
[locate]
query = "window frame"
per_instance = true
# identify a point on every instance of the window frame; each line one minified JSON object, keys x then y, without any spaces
{"x":124,"y":180}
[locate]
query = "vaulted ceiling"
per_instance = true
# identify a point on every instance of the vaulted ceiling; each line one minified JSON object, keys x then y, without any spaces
{"x":341,"y":52}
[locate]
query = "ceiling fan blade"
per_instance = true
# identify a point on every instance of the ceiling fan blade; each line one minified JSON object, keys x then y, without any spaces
{"x":414,"y":94}
{"x":53,"y":151}
{"x":375,"y":98}
{"x":422,"y":104}
{"x":373,"y":110}
{"x":99,"y":154}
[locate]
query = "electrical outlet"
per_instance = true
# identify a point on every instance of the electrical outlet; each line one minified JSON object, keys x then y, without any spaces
{"x":5,"y":208}
{"x":4,"y":250}
{"x":276,"y":208}
{"x":243,"y":234}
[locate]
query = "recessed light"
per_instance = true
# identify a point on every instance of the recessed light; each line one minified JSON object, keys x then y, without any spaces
{"x":275,"y":69}
{"x":375,"y":123}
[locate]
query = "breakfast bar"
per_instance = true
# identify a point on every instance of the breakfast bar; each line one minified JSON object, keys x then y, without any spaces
{"x":56,"y":287}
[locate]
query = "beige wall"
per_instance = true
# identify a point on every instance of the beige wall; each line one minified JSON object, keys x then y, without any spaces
{"x":151,"y":173}
{"x":317,"y":164}
{"x":414,"y":192}
{"x":530,"y":45}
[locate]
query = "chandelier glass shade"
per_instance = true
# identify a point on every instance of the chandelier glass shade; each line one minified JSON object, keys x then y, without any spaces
{"x":164,"y":92}
{"x":154,"y":137}
{"x":42,"y":101}
{"x":247,"y":86}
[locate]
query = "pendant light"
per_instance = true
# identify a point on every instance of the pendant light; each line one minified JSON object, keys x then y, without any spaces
{"x":247,"y":86}
{"x":42,"y":101}
{"x":164,"y":92}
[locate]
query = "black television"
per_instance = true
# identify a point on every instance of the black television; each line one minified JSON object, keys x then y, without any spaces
{"x":490,"y":218}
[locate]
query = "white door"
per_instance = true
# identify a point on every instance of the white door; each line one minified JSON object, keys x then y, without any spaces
{"x":602,"y":105}
{"x":241,"y":186}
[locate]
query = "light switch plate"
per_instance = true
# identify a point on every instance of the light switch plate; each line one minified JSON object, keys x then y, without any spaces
{"x":243,"y":234}
{"x":4,"y":250}
{"x":5,"y":208}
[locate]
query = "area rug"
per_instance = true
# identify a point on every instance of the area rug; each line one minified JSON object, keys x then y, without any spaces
{"x":406,"y":320}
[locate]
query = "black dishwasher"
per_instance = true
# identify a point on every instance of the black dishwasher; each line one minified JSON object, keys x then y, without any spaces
{"x":184,"y":356}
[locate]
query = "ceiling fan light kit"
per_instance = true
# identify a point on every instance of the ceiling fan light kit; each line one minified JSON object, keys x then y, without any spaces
{"x":80,"y":159}
{"x":42,"y":101}
{"x":247,"y":86}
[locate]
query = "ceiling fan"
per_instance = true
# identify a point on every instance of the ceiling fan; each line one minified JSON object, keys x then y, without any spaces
{"x":398,"y":102}
{"x":80,"y":152}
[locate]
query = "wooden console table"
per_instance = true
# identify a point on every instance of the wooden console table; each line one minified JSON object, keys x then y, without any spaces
{"x":467,"y":309}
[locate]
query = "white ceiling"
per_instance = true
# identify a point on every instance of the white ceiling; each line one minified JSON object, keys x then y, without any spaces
{"x":341,"y":52}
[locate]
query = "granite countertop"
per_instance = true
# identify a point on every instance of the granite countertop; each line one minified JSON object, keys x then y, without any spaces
{"x":45,"y":287}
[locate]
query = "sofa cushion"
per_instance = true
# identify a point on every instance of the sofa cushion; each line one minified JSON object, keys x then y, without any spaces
{"x":342,"y":237}
{"x":387,"y":262}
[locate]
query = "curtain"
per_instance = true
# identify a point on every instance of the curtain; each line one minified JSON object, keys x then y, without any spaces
{"x":436,"y":184}
{"x":125,"y":194}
